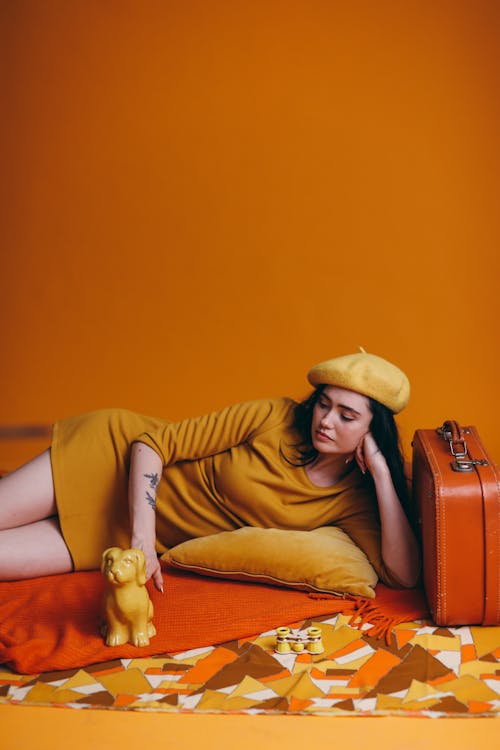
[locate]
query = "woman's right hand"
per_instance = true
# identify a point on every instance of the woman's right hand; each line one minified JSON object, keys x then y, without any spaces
{"x":153,"y":567}
{"x":153,"y":570}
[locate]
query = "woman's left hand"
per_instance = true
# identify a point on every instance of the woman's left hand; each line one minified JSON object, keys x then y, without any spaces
{"x":368,"y":455}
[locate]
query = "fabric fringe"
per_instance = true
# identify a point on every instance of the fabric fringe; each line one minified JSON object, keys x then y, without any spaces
{"x":382,"y":613}
{"x":367,"y":612}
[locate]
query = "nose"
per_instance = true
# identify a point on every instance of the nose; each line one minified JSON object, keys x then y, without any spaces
{"x":327,"y":421}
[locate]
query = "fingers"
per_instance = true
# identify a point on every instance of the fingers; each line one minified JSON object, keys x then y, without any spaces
{"x":365,"y":451}
{"x":360,"y":458}
{"x":153,"y":571}
{"x":372,"y":456}
{"x":158,"y":579}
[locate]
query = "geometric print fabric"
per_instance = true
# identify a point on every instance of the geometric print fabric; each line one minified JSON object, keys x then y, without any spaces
{"x":420,"y":670}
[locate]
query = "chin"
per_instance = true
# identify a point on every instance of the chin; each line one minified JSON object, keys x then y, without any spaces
{"x":326,"y":449}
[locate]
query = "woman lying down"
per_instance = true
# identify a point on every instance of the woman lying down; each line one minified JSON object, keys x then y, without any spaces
{"x":113,"y":477}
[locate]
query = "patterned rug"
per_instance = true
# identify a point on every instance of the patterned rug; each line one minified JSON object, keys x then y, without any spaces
{"x":419,"y":670}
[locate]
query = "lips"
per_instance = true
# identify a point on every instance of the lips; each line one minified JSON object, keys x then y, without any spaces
{"x":323,"y":437}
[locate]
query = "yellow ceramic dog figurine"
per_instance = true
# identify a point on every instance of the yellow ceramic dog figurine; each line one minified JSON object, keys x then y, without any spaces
{"x":128,"y":609}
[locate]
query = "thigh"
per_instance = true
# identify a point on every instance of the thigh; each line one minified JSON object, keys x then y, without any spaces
{"x":27,"y":494}
{"x":35,"y":550}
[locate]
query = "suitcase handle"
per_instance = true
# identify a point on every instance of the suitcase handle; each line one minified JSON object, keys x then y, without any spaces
{"x":453,"y":433}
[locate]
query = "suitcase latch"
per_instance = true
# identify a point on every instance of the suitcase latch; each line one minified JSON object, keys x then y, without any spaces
{"x":467,"y":464}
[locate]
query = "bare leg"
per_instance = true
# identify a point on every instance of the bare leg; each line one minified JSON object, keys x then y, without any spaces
{"x":31,"y":543}
{"x":27,"y":495}
{"x":37,"y":549}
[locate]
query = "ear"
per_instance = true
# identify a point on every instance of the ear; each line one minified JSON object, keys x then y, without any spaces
{"x":140,"y":567}
{"x":104,"y":558}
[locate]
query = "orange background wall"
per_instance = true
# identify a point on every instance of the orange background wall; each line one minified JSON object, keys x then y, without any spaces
{"x":203,"y":198}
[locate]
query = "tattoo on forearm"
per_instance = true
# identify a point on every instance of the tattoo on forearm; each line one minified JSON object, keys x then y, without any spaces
{"x":151,"y":500}
{"x":153,"y":480}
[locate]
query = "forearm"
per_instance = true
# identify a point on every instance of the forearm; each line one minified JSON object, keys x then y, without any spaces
{"x":145,"y":473}
{"x":398,"y":546}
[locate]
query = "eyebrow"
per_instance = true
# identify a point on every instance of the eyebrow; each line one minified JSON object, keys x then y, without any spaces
{"x":341,"y":406}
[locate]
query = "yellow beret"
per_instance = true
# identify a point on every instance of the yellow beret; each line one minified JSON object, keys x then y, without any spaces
{"x":367,"y":374}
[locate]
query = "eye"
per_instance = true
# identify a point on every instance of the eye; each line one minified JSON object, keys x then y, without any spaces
{"x":345,"y":418}
{"x":323,"y":404}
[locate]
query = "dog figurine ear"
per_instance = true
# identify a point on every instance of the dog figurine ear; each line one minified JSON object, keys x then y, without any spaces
{"x":104,"y":559}
{"x":140,"y":567}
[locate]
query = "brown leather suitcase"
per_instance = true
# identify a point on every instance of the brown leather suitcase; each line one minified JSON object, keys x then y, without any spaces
{"x":456,"y":490}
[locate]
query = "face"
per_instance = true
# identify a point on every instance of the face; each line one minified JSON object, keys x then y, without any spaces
{"x":341,"y":418}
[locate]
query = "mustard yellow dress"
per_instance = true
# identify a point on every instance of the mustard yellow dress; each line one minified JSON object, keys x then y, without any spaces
{"x":221,"y":471}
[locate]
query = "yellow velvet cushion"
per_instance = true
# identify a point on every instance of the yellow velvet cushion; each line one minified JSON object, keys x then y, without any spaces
{"x":323,"y":560}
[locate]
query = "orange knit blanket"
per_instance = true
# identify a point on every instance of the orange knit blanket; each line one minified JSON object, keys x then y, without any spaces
{"x":53,"y":623}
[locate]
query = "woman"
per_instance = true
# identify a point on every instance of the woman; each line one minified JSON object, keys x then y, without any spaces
{"x":115,"y":477}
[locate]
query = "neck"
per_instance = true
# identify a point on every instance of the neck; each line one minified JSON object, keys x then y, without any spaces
{"x":325,"y":471}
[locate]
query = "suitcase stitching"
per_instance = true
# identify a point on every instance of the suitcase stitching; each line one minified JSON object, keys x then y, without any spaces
{"x":441,"y":604}
{"x":494,"y":470}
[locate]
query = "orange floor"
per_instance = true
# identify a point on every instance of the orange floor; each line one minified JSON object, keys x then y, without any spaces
{"x":51,"y":728}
